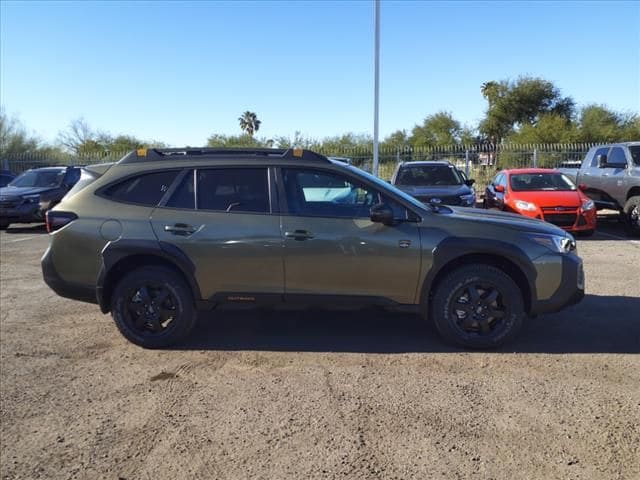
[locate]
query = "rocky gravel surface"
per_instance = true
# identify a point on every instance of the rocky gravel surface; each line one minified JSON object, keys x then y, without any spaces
{"x":311,"y":394}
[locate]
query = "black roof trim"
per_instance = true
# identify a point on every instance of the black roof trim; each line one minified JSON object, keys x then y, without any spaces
{"x":159,"y":154}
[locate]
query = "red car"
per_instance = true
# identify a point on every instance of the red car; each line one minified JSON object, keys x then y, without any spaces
{"x":545,"y":194}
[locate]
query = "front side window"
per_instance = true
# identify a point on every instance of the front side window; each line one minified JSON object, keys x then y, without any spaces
{"x":233,"y":190}
{"x":326,"y":194}
{"x":600,"y":151}
{"x":429,"y":175}
{"x":145,"y":189}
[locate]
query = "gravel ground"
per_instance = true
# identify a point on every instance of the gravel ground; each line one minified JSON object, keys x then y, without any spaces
{"x":319,"y":395}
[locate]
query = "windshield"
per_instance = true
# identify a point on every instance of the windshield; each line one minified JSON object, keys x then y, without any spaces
{"x":384,"y":186}
{"x":531,"y":182}
{"x":428,"y":175}
{"x":635,"y":154}
{"x":39,"y":178}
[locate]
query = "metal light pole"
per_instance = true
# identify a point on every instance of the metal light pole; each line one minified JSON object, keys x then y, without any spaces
{"x":376,"y":84}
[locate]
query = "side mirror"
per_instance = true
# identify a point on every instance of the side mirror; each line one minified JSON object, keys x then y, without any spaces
{"x":381,"y":213}
{"x":469,"y":182}
{"x":582,"y":187}
{"x":499,"y":188}
{"x":602,"y":161}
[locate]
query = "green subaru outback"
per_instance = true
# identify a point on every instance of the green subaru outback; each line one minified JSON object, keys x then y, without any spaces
{"x":164,"y":233}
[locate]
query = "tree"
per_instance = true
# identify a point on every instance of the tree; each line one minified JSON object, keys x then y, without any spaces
{"x":398,"y":140}
{"x":298,"y":140}
{"x":236,"y":141}
{"x":599,"y":124}
{"x":14,"y":139}
{"x":514,"y":104}
{"x":439,"y":129}
{"x":550,"y":128}
{"x":249,"y":123}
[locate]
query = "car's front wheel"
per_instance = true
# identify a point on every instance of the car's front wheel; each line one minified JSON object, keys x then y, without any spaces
{"x":478,"y":306}
{"x":153,"y":307}
{"x":631,"y":214}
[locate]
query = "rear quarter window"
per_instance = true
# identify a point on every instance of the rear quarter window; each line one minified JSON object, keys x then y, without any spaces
{"x":143,"y":189}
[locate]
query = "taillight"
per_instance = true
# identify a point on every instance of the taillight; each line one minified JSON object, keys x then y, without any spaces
{"x":57,"y":220}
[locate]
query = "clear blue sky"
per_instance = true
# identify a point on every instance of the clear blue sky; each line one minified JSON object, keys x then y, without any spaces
{"x":178,"y":72}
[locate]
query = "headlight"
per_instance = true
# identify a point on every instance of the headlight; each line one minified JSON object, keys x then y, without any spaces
{"x":31,"y":198}
{"x":468,"y":199}
{"x":526,"y":206}
{"x":588,"y":205}
{"x":555,"y":243}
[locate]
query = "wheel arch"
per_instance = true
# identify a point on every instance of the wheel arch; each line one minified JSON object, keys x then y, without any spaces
{"x":633,"y":191}
{"x":454,"y":254}
{"x":122,"y":257}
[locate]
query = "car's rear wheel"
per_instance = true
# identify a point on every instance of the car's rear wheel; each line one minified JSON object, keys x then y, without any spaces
{"x":153,"y":307}
{"x":478,"y":306}
{"x":631,"y":214}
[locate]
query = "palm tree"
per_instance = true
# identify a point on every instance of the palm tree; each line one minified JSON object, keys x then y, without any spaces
{"x":249,"y":123}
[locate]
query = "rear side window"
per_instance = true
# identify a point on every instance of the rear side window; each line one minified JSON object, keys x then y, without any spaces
{"x":233,"y":190}
{"x":617,"y":156}
{"x":145,"y":189}
{"x":184,"y":196}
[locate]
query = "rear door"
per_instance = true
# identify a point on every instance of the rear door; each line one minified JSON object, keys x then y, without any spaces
{"x":223,"y":220}
{"x":333,"y":250}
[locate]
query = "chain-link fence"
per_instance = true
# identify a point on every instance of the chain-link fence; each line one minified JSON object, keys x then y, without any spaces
{"x":478,"y":161}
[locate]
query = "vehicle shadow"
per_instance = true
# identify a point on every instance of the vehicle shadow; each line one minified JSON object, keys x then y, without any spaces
{"x":27,"y":228}
{"x":599,"y":324}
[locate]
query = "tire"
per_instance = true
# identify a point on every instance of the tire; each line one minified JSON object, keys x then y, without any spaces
{"x":460,"y":322}
{"x":585,"y":233}
{"x":4,"y":225}
{"x":153,"y":307}
{"x":631,"y":215}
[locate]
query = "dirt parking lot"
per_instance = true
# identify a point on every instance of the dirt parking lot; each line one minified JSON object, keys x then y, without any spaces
{"x":319,"y":395}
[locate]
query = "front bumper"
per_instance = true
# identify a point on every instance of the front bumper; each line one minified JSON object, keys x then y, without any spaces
{"x":23,"y":213}
{"x":570,"y":291}
{"x":84,"y":293}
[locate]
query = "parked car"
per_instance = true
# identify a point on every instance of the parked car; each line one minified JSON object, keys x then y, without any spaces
{"x":610,"y":175}
{"x":5,"y":177}
{"x":29,"y":195}
{"x":434,"y":182}
{"x":166,"y":232}
{"x":545,"y":194}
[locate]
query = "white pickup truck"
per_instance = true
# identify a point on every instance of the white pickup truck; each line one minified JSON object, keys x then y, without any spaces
{"x":610,"y":176}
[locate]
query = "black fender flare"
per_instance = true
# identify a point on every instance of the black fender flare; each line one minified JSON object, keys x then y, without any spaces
{"x":455,"y":248}
{"x":116,"y":251}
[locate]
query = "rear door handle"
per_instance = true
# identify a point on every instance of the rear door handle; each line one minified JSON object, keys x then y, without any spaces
{"x":299,"y":235}
{"x":180,"y":229}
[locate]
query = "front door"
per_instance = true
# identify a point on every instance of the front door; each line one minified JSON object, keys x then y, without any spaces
{"x":222,"y":219}
{"x":332,"y":248}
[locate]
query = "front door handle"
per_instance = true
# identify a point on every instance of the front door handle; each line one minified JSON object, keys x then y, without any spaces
{"x":180,"y":229}
{"x":299,"y":235}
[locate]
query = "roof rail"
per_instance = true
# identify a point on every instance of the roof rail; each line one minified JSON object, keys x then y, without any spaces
{"x":158,"y":154}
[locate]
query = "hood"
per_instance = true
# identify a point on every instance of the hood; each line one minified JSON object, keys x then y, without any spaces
{"x":550,"y":198}
{"x":21,"y":191}
{"x":435,"y":190}
{"x":504,"y":220}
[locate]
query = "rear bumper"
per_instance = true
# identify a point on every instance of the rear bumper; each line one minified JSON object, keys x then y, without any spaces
{"x":571,"y":290}
{"x":74,"y":291}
